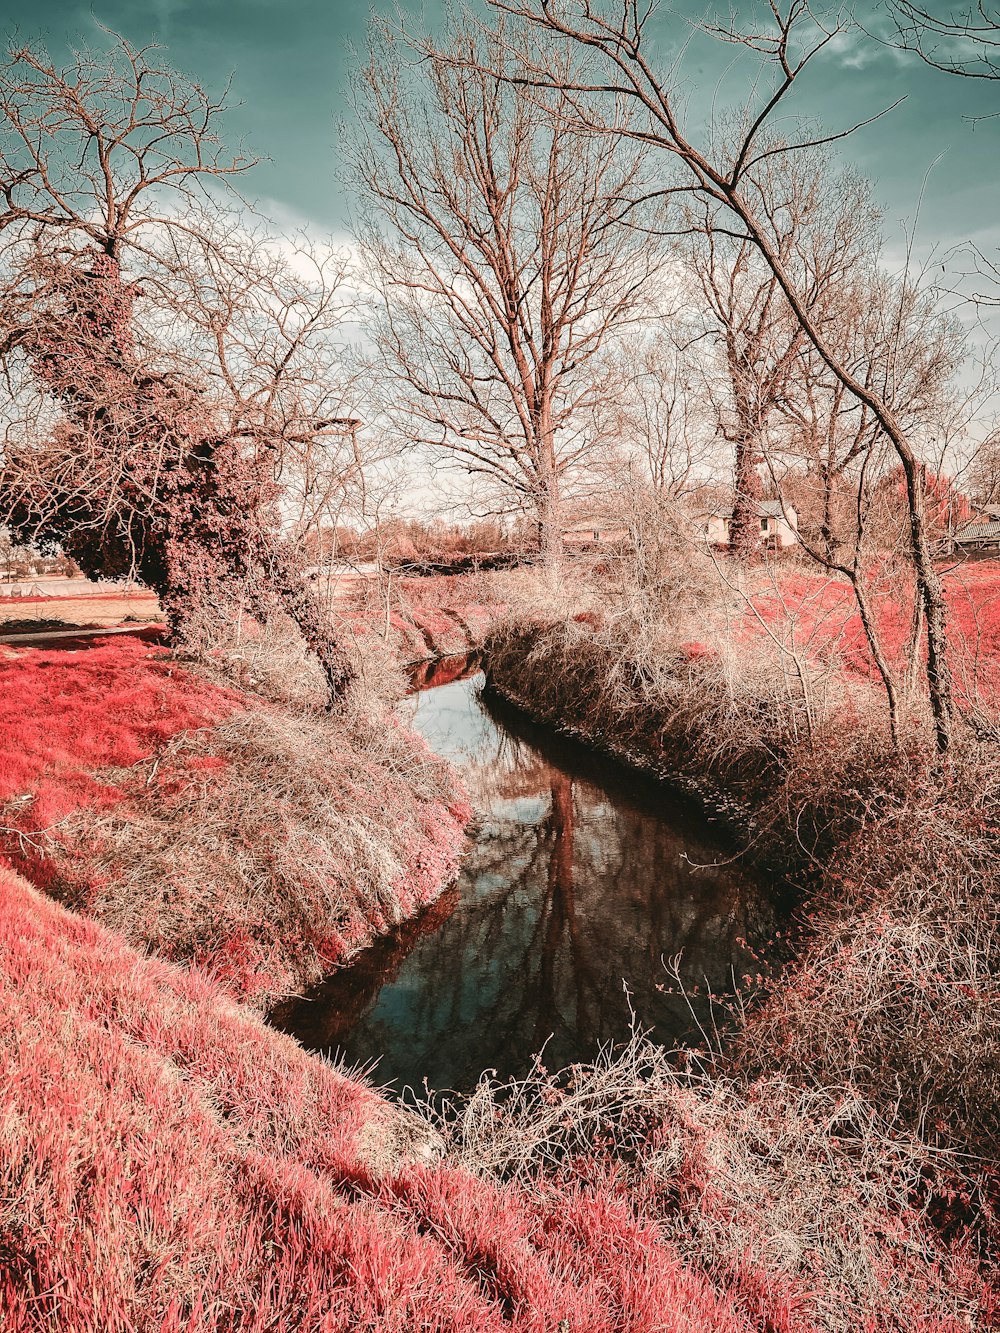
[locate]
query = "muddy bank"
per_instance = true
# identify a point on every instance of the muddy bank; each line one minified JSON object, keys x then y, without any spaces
{"x":535,"y":672}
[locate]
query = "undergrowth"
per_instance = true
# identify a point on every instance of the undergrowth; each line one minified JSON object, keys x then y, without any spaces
{"x":891,"y":1000}
{"x":169,"y":1163}
{"x":266,"y":843}
{"x":800,"y":1202}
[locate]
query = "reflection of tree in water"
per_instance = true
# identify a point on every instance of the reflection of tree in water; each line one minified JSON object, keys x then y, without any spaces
{"x":570,"y":889}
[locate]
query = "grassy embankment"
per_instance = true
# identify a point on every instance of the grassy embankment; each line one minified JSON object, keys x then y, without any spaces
{"x":170,"y":1163}
{"x":167,"y":1162}
{"x":895,"y":995}
{"x":262,"y":841}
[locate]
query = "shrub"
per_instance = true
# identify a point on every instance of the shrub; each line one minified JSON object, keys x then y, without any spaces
{"x":799,"y":1203}
{"x":216,"y":827}
{"x":898,"y":989}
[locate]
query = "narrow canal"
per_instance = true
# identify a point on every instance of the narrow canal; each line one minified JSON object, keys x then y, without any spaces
{"x":580,"y":885}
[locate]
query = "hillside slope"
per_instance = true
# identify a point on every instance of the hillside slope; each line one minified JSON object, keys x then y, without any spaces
{"x":168,"y":1162}
{"x":264,"y":842}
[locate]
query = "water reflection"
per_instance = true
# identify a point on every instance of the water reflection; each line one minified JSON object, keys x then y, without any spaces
{"x":578,"y":883}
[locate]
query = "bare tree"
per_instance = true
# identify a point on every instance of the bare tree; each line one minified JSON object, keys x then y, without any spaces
{"x":778,"y":402}
{"x":661,"y":420}
{"x":965,"y":41}
{"x":165,"y":365}
{"x":787,"y":38}
{"x":492,"y":224}
{"x":821,"y":223}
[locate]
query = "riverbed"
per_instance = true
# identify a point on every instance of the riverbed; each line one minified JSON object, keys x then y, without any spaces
{"x":582,"y":889}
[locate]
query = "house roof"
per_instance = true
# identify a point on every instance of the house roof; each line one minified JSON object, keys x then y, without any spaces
{"x":766,"y":509}
{"x":973,"y":532}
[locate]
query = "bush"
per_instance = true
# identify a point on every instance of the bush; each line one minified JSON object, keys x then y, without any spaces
{"x":898,"y":989}
{"x":799,"y":1203}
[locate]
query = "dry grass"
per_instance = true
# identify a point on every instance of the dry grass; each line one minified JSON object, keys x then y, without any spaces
{"x":798,"y":1201}
{"x":267,"y":849}
{"x":740,"y":712}
{"x":898,"y":990}
{"x":169,"y":1164}
{"x":266,"y":844}
{"x":894,"y":996}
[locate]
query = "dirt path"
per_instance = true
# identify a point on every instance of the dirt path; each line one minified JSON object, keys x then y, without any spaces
{"x":46,"y":637}
{"x":101,"y":609}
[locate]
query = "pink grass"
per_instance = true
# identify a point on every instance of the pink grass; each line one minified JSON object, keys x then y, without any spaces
{"x":168,"y":1162}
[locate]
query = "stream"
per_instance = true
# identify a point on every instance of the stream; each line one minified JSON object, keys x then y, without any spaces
{"x":580,"y":884}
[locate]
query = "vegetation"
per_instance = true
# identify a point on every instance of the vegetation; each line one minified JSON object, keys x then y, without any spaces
{"x":602,"y":316}
{"x":215,"y":826}
{"x":891,"y":996}
{"x":187,"y":366}
{"x":241,"y":1183}
{"x":490,"y":237}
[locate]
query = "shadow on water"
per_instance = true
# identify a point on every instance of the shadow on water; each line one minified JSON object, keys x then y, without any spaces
{"x":580,"y":880}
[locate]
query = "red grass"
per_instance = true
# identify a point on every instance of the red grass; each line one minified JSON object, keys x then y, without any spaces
{"x":820,"y":614}
{"x":65,"y":713}
{"x":168,"y":1162}
{"x":265,"y":922}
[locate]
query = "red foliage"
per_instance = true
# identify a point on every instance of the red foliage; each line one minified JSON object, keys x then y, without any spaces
{"x":177,"y":1165}
{"x":64,"y":714}
{"x":69,"y":720}
{"x":946,"y":506}
{"x":820,"y":613}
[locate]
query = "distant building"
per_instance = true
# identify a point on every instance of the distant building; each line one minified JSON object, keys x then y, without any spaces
{"x":593,"y":531}
{"x":779,"y":525}
{"x":980,"y":537}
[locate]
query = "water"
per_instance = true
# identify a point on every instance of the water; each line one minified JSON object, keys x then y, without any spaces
{"x":580,"y":882}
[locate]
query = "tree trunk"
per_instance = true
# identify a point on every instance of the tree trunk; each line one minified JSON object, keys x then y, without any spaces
{"x":744,"y":526}
{"x":869,"y":623}
{"x":917,"y":628}
{"x":931,"y":595}
{"x":550,"y":535}
{"x":283,"y":582}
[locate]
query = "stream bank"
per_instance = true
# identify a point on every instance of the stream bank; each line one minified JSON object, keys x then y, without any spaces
{"x":581,"y":883}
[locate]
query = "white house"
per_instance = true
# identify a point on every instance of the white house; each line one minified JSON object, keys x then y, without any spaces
{"x":593,"y":530}
{"x":779,"y":525}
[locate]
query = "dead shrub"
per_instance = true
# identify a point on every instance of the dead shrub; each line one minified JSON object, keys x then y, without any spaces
{"x":898,"y":990}
{"x":800,"y":1201}
{"x":266,"y":848}
{"x":741,"y":713}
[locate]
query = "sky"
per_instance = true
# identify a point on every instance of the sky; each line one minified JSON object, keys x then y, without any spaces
{"x":291,"y":61}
